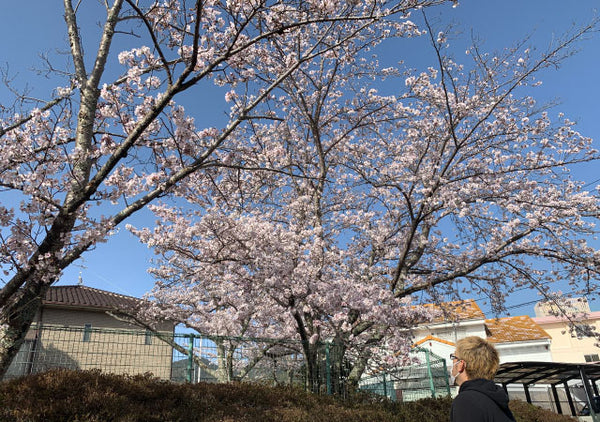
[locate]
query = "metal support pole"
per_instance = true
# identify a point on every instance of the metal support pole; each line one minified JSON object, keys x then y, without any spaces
{"x":200,"y":358}
{"x":570,"y":399}
{"x":446,"y":377}
{"x":589,"y":395}
{"x":190,"y":362}
{"x":429,"y":373}
{"x":556,"y":400}
{"x":384,"y":386}
{"x":527,"y":395}
{"x":328,"y":367}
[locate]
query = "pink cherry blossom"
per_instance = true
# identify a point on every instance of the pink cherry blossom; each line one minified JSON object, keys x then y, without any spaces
{"x":77,"y":165}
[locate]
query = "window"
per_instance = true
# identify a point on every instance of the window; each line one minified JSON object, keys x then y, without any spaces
{"x":87,"y":332}
{"x":591,"y":358}
{"x":148,"y":338}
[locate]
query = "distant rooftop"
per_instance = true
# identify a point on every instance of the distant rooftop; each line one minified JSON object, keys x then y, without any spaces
{"x":88,"y":297}
{"x":576,"y":305}
{"x":457,"y":311}
{"x":498,"y":330}
{"x":434,"y":338}
{"x":512,"y":329}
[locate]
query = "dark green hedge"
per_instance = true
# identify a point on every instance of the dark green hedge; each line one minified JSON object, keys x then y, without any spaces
{"x":88,"y":396}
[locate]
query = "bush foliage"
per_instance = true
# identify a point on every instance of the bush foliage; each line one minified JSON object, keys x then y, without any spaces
{"x":89,"y":396}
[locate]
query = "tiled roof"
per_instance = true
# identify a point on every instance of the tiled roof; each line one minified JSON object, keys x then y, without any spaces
{"x":511,"y":329}
{"x":83,"y":296}
{"x":457,"y":311}
{"x":433,"y":338}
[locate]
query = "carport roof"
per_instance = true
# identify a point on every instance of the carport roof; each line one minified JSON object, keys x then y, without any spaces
{"x":544,"y":372}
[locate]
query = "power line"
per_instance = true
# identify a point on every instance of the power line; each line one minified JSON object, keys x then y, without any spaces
{"x":591,"y":183}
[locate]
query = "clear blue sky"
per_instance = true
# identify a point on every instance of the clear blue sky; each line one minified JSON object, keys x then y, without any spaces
{"x":36,"y":26}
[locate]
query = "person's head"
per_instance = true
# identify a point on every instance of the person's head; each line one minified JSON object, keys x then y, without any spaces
{"x":474,"y":358}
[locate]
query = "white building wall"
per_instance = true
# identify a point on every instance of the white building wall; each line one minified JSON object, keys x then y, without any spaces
{"x":522,"y":352}
{"x":441,"y":349}
{"x":452,"y":332}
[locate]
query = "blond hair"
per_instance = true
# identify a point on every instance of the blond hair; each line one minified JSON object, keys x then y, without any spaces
{"x":480,"y":357}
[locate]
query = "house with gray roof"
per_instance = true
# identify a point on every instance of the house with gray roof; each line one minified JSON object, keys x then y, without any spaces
{"x":75,"y":328}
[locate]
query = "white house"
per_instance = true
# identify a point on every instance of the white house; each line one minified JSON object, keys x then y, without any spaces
{"x":516,"y":338}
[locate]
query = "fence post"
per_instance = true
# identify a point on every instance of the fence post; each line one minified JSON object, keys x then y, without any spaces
{"x":446,"y":377}
{"x":429,"y":373}
{"x":328,"y":367}
{"x":384,"y":386}
{"x":190,"y":362}
{"x":199,"y":379}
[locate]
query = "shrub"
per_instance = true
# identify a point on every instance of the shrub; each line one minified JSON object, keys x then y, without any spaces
{"x":525,"y":412}
{"x":91,"y":396}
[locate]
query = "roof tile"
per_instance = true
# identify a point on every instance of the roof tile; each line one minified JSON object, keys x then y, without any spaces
{"x":511,"y":329}
{"x":433,"y":338}
{"x":457,"y":311}
{"x":78,"y":296}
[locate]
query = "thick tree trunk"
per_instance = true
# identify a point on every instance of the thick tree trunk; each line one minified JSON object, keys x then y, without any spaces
{"x":309,"y":350}
{"x":312,"y":370}
{"x":338,"y":367}
{"x":15,"y":320}
{"x":356,"y":373}
{"x":224,"y":361}
{"x":21,"y":297}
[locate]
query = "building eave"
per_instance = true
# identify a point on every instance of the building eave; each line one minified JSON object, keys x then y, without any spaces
{"x":525,"y":343}
{"x":461,"y":323}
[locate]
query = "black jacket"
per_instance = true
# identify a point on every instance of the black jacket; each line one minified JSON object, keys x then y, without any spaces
{"x":480,"y":400}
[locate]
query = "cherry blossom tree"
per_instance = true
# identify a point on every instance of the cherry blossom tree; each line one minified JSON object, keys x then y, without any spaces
{"x":368,"y":205}
{"x":232,"y":266}
{"x":104,"y":147}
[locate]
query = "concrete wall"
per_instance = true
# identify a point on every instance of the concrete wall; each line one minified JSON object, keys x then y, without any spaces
{"x":567,"y":346}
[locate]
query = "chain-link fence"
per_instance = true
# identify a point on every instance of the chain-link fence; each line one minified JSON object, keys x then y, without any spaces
{"x":195,"y":358}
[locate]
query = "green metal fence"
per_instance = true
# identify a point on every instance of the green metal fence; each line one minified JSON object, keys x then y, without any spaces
{"x":427,"y":378}
{"x":114,"y":351}
{"x":178,"y":357}
{"x":193,"y":358}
